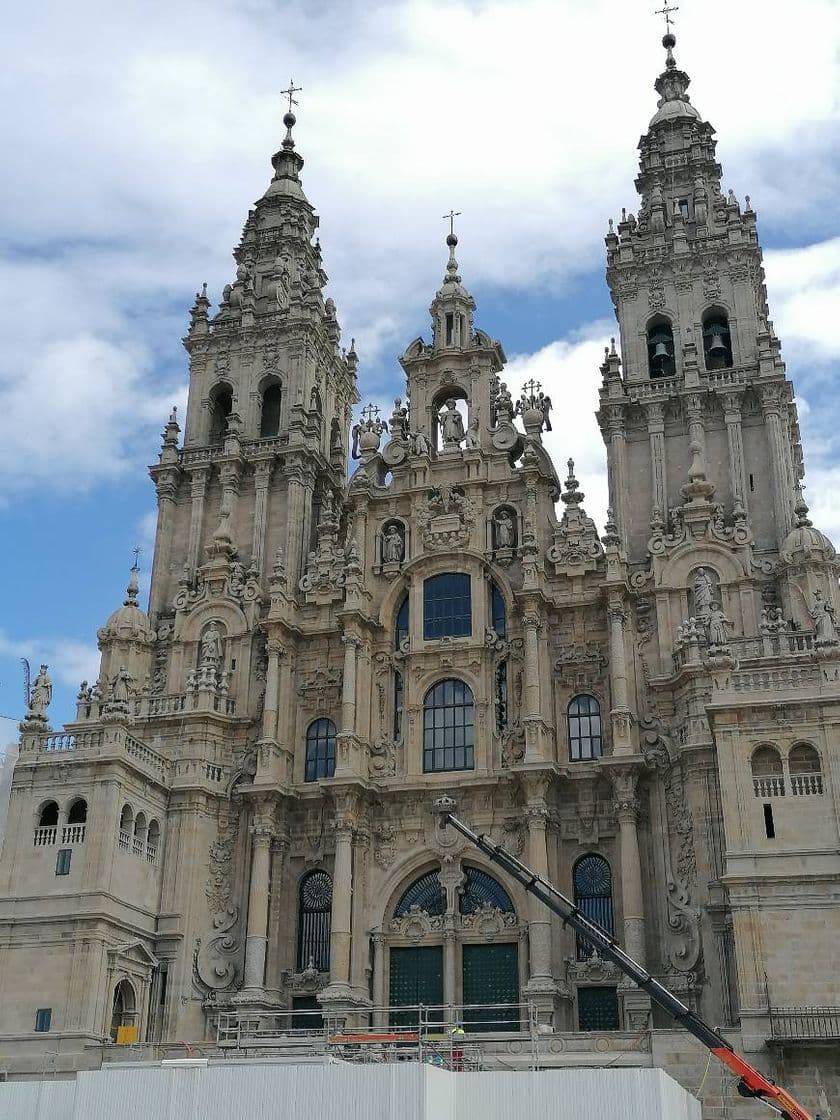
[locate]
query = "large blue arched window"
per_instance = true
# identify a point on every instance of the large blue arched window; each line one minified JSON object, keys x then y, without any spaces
{"x":314,"y":910}
{"x":447,"y":606}
{"x":592,"y":879}
{"x":425,"y":892}
{"x":448,"y":727}
{"x":481,"y":889}
{"x":320,"y":750}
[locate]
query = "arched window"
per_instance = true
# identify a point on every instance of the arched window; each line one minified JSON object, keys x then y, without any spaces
{"x":804,"y":768}
{"x":123,"y":1009}
{"x":584,"y":719}
{"x":314,"y":909}
{"x":270,"y":415}
{"x":140,"y":833}
{"x":592,"y":880}
{"x":401,"y":622}
{"x":767,"y":773}
{"x":498,"y":614}
{"x":152,"y":841}
{"x":48,"y":817}
{"x":500,"y":697}
{"x":220,"y":409}
{"x":448,"y":727}
{"x":77,"y":813}
{"x":717,"y":340}
{"x":481,"y":889}
{"x":660,"y":344}
{"x":425,"y":892}
{"x":447,"y":606}
{"x":320,"y":750}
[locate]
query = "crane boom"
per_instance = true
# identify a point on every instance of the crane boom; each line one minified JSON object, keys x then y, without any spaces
{"x":752,"y":1083}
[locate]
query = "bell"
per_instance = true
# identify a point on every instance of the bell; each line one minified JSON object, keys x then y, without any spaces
{"x":717,"y":347}
{"x":661,"y":351}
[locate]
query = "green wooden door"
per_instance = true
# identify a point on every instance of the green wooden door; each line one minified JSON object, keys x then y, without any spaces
{"x":491,"y":977}
{"x":416,"y":978}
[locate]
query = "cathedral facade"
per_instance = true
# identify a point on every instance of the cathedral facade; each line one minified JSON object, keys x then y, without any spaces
{"x":238,"y":825}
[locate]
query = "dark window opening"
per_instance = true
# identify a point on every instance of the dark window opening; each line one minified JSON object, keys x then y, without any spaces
{"x":425,"y":892}
{"x":48,"y":817}
{"x":598,"y":1009}
{"x":769,"y":826}
{"x":498,"y":615}
{"x":661,"y":350}
{"x":307,"y":1014}
{"x":314,"y":911}
{"x":221,"y":410}
{"x":684,"y":209}
{"x":592,"y":880}
{"x":450,"y":327}
{"x":398,"y":706}
{"x":43,"y":1019}
{"x":270,"y":418}
{"x":77,"y":813}
{"x":401,"y":623}
{"x":62,"y":861}
{"x":447,"y":606}
{"x":320,"y":750}
{"x":448,"y":727}
{"x":752,"y":484}
{"x":717,"y":342}
{"x":584,"y":720}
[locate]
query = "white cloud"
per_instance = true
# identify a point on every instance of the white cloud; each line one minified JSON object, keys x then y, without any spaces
{"x":804,"y":292}
{"x":136,"y":158}
{"x":69,"y":661}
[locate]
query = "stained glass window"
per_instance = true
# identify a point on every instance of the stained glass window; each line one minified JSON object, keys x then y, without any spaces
{"x":447,"y":606}
{"x":425,"y":892}
{"x":320,"y":750}
{"x":592,"y":880}
{"x":448,"y":727}
{"x":480,"y":888}
{"x":314,"y":911}
{"x":584,"y":716}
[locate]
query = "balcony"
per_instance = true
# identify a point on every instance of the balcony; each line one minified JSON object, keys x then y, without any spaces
{"x":804,"y":1024}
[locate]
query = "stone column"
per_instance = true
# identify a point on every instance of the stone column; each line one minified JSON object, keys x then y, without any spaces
{"x":636,"y":1003}
{"x":618,"y":468}
{"x":620,"y":713}
{"x":262,"y":831}
{"x":450,"y":967}
{"x":734,"y":437}
{"x":166,"y":483}
{"x":379,"y":994}
{"x":532,"y":699}
{"x":198,"y":490}
{"x":659,"y":482}
{"x":348,"y":685}
{"x":275,"y":651}
{"x":298,"y":492}
{"x":342,"y":906}
{"x":262,"y":477}
{"x":771,"y":401}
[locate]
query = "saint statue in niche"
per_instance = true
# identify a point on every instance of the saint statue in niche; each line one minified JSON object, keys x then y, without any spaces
{"x":451,"y":426}
{"x":392,"y":545}
{"x":718,"y":627}
{"x":504,"y":529}
{"x":211,"y":645}
{"x":704,"y":593}
{"x":822,"y":612}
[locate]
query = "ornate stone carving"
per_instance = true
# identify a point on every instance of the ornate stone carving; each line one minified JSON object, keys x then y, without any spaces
{"x":577,"y":547}
{"x":215,"y":961}
{"x":321,"y":689}
{"x":446,"y":517}
{"x":415,"y":924}
{"x":488,"y":921}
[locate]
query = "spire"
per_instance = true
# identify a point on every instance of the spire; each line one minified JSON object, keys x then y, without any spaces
{"x":286,"y":162}
{"x":453,"y":306}
{"x":133,"y":587}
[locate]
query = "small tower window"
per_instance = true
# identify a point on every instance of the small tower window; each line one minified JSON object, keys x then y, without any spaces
{"x":320,"y":750}
{"x":270,"y":417}
{"x":221,"y":408}
{"x":682,"y":203}
{"x":401,"y":623}
{"x":584,"y":720}
{"x":660,"y":342}
{"x":717,"y":344}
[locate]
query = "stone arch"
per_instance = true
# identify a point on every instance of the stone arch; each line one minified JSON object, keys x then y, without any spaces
{"x":716,"y":331}
{"x":403,"y":528}
{"x":660,"y":338}
{"x":77,"y":811}
{"x":682,"y":561}
{"x":271,"y":402}
{"x":220,"y":402}
{"x":766,"y":761}
{"x":412,"y":867}
{"x":504,"y":508}
{"x":452,"y":390}
{"x":47,"y":813}
{"x":223,"y":611}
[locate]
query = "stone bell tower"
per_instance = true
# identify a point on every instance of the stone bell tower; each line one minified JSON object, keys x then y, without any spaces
{"x":703,"y":400}
{"x":270,"y":398}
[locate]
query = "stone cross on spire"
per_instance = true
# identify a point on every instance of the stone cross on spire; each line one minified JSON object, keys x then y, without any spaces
{"x":450,"y":217}
{"x":666,"y":12}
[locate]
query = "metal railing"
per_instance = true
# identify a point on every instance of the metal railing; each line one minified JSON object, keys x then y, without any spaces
{"x":446,"y":1034}
{"x":802,"y":1024}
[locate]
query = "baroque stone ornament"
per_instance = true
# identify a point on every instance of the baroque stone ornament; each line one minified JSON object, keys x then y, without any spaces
{"x":577,"y":547}
{"x":446,"y":518}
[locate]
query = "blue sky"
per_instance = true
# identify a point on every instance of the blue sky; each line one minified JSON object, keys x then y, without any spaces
{"x":140,"y":133}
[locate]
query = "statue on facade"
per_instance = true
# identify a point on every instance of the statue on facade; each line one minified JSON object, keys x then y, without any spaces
{"x":40,"y":695}
{"x":825,"y":627}
{"x":472,"y":431}
{"x":392,"y":545}
{"x":504,"y":529}
{"x":718,"y":625}
{"x":419,"y":444}
{"x":451,"y":426}
{"x":211,"y":646}
{"x":120,"y":688}
{"x":704,"y":592}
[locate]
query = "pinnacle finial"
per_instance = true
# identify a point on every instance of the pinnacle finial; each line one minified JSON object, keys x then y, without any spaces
{"x":289,"y":118}
{"x":133,"y":586}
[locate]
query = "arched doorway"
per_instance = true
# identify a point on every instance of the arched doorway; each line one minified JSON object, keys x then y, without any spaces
{"x":124,"y":1013}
